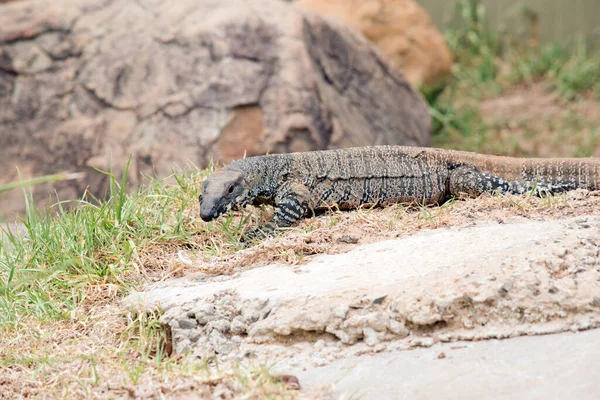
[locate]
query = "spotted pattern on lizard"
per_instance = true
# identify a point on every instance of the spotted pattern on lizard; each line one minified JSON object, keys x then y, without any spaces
{"x":298,"y":183}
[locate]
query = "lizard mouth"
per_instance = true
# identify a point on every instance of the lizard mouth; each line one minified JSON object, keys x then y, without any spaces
{"x":208,"y":214}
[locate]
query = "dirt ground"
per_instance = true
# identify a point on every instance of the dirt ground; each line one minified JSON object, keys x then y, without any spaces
{"x":338,"y":232}
{"x":531,"y":120}
{"x":526,"y":120}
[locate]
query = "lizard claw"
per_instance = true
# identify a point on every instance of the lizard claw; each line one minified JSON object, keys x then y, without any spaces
{"x":258,"y":233}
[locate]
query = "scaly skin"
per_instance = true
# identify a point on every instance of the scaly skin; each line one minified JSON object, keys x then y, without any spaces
{"x":297,"y":183}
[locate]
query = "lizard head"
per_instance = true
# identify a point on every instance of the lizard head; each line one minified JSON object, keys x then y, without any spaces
{"x":221,"y":191}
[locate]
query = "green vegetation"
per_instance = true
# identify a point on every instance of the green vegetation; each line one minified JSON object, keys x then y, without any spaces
{"x":57,"y":278}
{"x":48,"y":271}
{"x":491,"y":67}
{"x":60,"y":279}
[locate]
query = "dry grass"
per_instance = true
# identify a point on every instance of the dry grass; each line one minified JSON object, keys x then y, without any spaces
{"x":331,"y":232}
{"x":106,"y":354}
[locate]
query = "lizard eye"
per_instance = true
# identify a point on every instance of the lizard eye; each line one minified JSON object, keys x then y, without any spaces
{"x":230,"y":189}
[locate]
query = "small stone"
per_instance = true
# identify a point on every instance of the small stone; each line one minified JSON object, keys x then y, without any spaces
{"x":319,"y":344}
{"x":345,"y":338}
{"x":265,"y":313}
{"x":442,"y":355}
{"x":397,"y":328}
{"x":220,"y":343}
{"x":195,"y":335}
{"x":238,"y":326}
{"x":347,"y":239}
{"x":182,"y":346}
{"x":290,"y":381}
{"x":562,"y":252}
{"x":378,"y":348}
{"x":445,"y":337}
{"x":221,"y":325}
{"x":423,"y":342}
{"x":505,"y":288}
{"x":225,"y":300}
{"x":186,"y":307}
{"x":370,"y":335}
{"x":250,"y":314}
{"x":553,"y":290}
{"x":563,"y":265}
{"x":341,"y":312}
{"x":589,"y":261}
{"x":320,"y":361}
{"x":203,"y":313}
{"x":187,"y":323}
{"x":377,"y":321}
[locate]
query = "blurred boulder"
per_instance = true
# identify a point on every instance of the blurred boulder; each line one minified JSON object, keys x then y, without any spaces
{"x":400,"y":28}
{"x":86,"y":83}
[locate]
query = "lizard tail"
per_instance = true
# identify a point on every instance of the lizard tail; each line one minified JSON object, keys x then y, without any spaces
{"x":571,"y":173}
{"x":565,"y":172}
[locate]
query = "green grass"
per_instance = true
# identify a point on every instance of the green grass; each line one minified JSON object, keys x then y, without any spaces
{"x":486,"y":60}
{"x":569,"y":71}
{"x":38,"y":180}
{"x":70,"y":263}
{"x":47,"y":272}
{"x":488,"y":64}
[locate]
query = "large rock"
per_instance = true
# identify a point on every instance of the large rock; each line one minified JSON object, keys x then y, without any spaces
{"x":85,"y":83}
{"x":400,"y":28}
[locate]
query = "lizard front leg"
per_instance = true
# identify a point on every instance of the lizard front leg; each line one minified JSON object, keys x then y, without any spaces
{"x":468,"y":180}
{"x":291,"y":204}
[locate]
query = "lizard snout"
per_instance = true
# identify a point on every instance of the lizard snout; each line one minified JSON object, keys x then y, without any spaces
{"x":208,"y":210}
{"x":206,"y":216}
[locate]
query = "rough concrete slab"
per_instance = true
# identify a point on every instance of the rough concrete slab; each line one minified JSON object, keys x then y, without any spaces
{"x":468,"y":283}
{"x":560,"y":366}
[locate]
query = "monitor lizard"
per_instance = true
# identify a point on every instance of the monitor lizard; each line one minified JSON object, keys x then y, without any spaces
{"x":297,"y":183}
